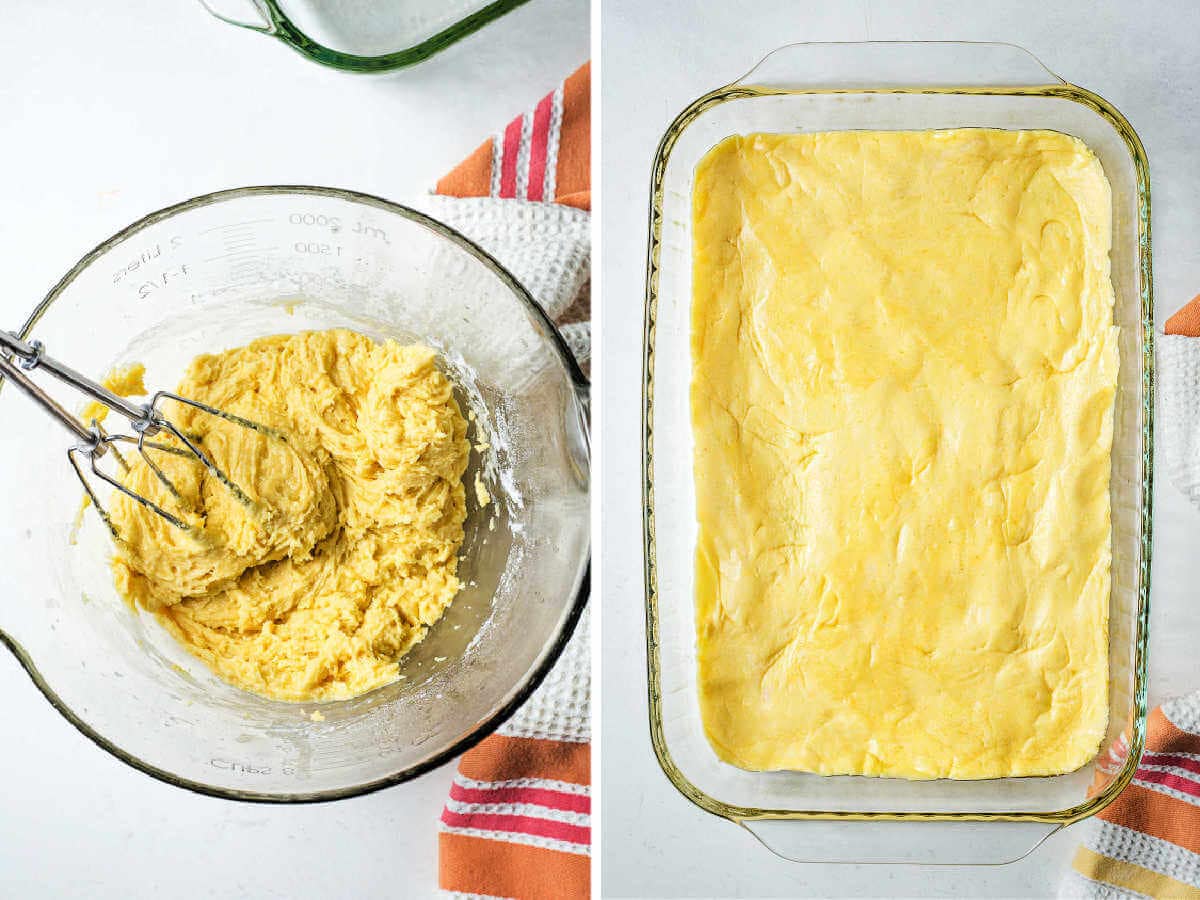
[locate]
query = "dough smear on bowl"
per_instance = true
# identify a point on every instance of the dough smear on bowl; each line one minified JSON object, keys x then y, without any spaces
{"x":348,"y":549}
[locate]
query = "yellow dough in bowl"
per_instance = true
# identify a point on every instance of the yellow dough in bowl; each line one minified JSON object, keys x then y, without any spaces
{"x":904,"y":365}
{"x":343,"y":549}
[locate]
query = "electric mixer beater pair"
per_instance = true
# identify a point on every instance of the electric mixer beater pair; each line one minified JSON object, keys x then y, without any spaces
{"x":146,"y":421}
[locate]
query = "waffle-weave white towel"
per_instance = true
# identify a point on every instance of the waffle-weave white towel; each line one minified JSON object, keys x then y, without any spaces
{"x":1179,"y":394}
{"x":547,"y":247}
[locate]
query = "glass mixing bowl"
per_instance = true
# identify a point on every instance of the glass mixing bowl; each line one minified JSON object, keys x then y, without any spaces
{"x":213,"y":273}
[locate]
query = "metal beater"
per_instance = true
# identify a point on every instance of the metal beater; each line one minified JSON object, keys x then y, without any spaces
{"x":17,"y":357}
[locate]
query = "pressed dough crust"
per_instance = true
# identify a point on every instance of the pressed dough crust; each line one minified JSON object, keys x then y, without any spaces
{"x":904,"y":364}
{"x":348,"y":549}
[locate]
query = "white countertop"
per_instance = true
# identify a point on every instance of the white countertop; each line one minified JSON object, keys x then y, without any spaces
{"x":657,"y":57}
{"x":112,"y":110}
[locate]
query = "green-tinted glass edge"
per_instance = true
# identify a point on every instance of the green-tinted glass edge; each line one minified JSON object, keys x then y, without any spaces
{"x":1137,"y":727}
{"x":282,"y":28}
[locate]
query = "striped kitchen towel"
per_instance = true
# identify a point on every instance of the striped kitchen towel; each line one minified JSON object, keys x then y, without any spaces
{"x":543,"y":155}
{"x":524,"y":196}
{"x":1146,"y":843}
{"x":517,"y":822}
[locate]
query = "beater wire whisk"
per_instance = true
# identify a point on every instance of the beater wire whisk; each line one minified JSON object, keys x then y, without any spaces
{"x":146,"y":421}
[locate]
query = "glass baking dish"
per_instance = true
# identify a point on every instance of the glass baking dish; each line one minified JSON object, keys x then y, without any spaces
{"x":363,"y":35}
{"x":829,"y":87}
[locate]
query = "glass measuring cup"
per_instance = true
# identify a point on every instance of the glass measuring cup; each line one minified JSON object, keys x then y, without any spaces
{"x":215,"y":272}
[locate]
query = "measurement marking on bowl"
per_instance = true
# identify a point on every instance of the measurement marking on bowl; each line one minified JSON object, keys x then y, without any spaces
{"x":245,"y":768}
{"x":145,"y":257}
{"x":317,"y":220}
{"x":245,"y":224}
{"x":166,"y":276}
{"x":241,"y":252}
{"x":371,"y":231}
{"x":318,"y":248}
{"x":236,"y":236}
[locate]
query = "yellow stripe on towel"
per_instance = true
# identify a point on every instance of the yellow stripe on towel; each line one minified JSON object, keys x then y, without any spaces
{"x":1131,"y":877}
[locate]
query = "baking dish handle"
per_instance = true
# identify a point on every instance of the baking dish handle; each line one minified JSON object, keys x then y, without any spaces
{"x":898,"y":65}
{"x":262,"y":22}
{"x":894,"y":842}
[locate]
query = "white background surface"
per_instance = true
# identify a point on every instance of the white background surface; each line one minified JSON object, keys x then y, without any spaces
{"x":109,"y":111}
{"x":658,"y":57}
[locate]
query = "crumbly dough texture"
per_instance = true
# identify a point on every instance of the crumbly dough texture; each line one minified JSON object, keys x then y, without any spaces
{"x":904,"y":365}
{"x":347,"y":551}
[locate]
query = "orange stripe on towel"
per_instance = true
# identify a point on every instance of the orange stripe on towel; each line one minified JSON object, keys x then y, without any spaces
{"x":472,"y":177}
{"x":475,"y":865}
{"x":1186,"y":321}
{"x":501,"y":758}
{"x":1156,"y":814}
{"x":475,"y":176}
{"x":573,"y":180}
{"x":1162,"y":735}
